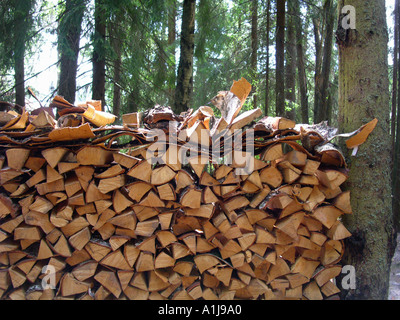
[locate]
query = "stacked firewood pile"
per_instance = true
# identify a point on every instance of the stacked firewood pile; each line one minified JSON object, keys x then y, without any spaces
{"x":90,"y":210}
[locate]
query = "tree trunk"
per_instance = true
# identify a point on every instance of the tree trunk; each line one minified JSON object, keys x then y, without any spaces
{"x":19,"y":68}
{"x":395,"y":75}
{"x":171,"y":45}
{"x":321,"y":111}
{"x":302,"y":77}
{"x":318,"y":64}
{"x":99,"y":64}
{"x":21,"y":25}
{"x":254,"y":46}
{"x":184,"y":87}
{"x":396,"y":119}
{"x":280,"y":59}
{"x":69,"y":34}
{"x":363,"y":96}
{"x":290,"y":68}
{"x":266,"y":110}
{"x":132,"y":105}
{"x":116,"y":44}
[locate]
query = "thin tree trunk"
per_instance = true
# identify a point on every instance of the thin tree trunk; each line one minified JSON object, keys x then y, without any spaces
{"x":184,"y":87}
{"x":99,"y":64}
{"x":322,"y":109}
{"x":116,"y":44}
{"x":69,"y":34}
{"x":290,"y":68}
{"x":280,"y":59}
{"x":117,"y":85}
{"x":364,"y":95}
{"x":171,"y":44}
{"x":318,"y":64}
{"x":302,"y":77}
{"x":266,"y":110}
{"x":254,"y":45}
{"x":19,"y":68}
{"x":21,"y":17}
{"x":132,"y":105}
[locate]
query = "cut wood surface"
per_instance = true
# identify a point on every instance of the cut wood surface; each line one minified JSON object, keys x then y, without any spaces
{"x":116,"y":225}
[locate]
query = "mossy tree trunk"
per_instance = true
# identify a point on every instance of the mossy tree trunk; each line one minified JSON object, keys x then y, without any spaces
{"x":396,"y":119}
{"x":363,"y":96}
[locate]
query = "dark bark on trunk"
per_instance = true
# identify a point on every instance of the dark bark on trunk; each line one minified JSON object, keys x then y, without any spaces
{"x":266,"y":110}
{"x":302,"y":77}
{"x":21,"y":25}
{"x":254,"y":45}
{"x":322,"y":110}
{"x":19,"y":67}
{"x":116,"y":44}
{"x":318,"y":64}
{"x":171,"y":45}
{"x":280,"y":59}
{"x":290,"y":68}
{"x":69,"y":34}
{"x":184,"y":87}
{"x":131,"y":103}
{"x":99,"y":64}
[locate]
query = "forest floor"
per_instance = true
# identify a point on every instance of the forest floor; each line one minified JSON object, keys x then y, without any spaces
{"x":394,"y":289}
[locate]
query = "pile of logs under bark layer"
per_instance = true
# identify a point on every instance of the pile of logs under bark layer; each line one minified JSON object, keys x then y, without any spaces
{"x":84,"y":214}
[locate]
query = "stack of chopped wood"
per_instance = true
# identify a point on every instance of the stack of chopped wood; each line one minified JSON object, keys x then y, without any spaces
{"x":112,"y":225}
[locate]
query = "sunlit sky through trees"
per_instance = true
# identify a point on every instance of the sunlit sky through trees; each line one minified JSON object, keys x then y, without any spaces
{"x":44,"y":61}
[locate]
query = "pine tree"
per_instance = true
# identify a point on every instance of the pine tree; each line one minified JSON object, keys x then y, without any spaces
{"x":184,"y":86}
{"x":364,"y":95}
{"x":69,"y":34}
{"x":280,"y":60}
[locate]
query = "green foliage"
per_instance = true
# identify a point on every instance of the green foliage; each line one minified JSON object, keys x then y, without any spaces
{"x":137,"y":34}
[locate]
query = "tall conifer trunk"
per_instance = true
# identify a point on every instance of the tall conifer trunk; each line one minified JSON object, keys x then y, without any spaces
{"x":290,"y":68}
{"x":302,"y":77}
{"x":184,"y":86}
{"x":171,"y":46}
{"x":254,"y":45}
{"x":21,"y":25}
{"x":266,"y":109}
{"x":280,"y":58}
{"x":396,"y":120}
{"x":363,"y":96}
{"x":98,"y":59}
{"x":69,"y":33}
{"x":321,"y":111}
